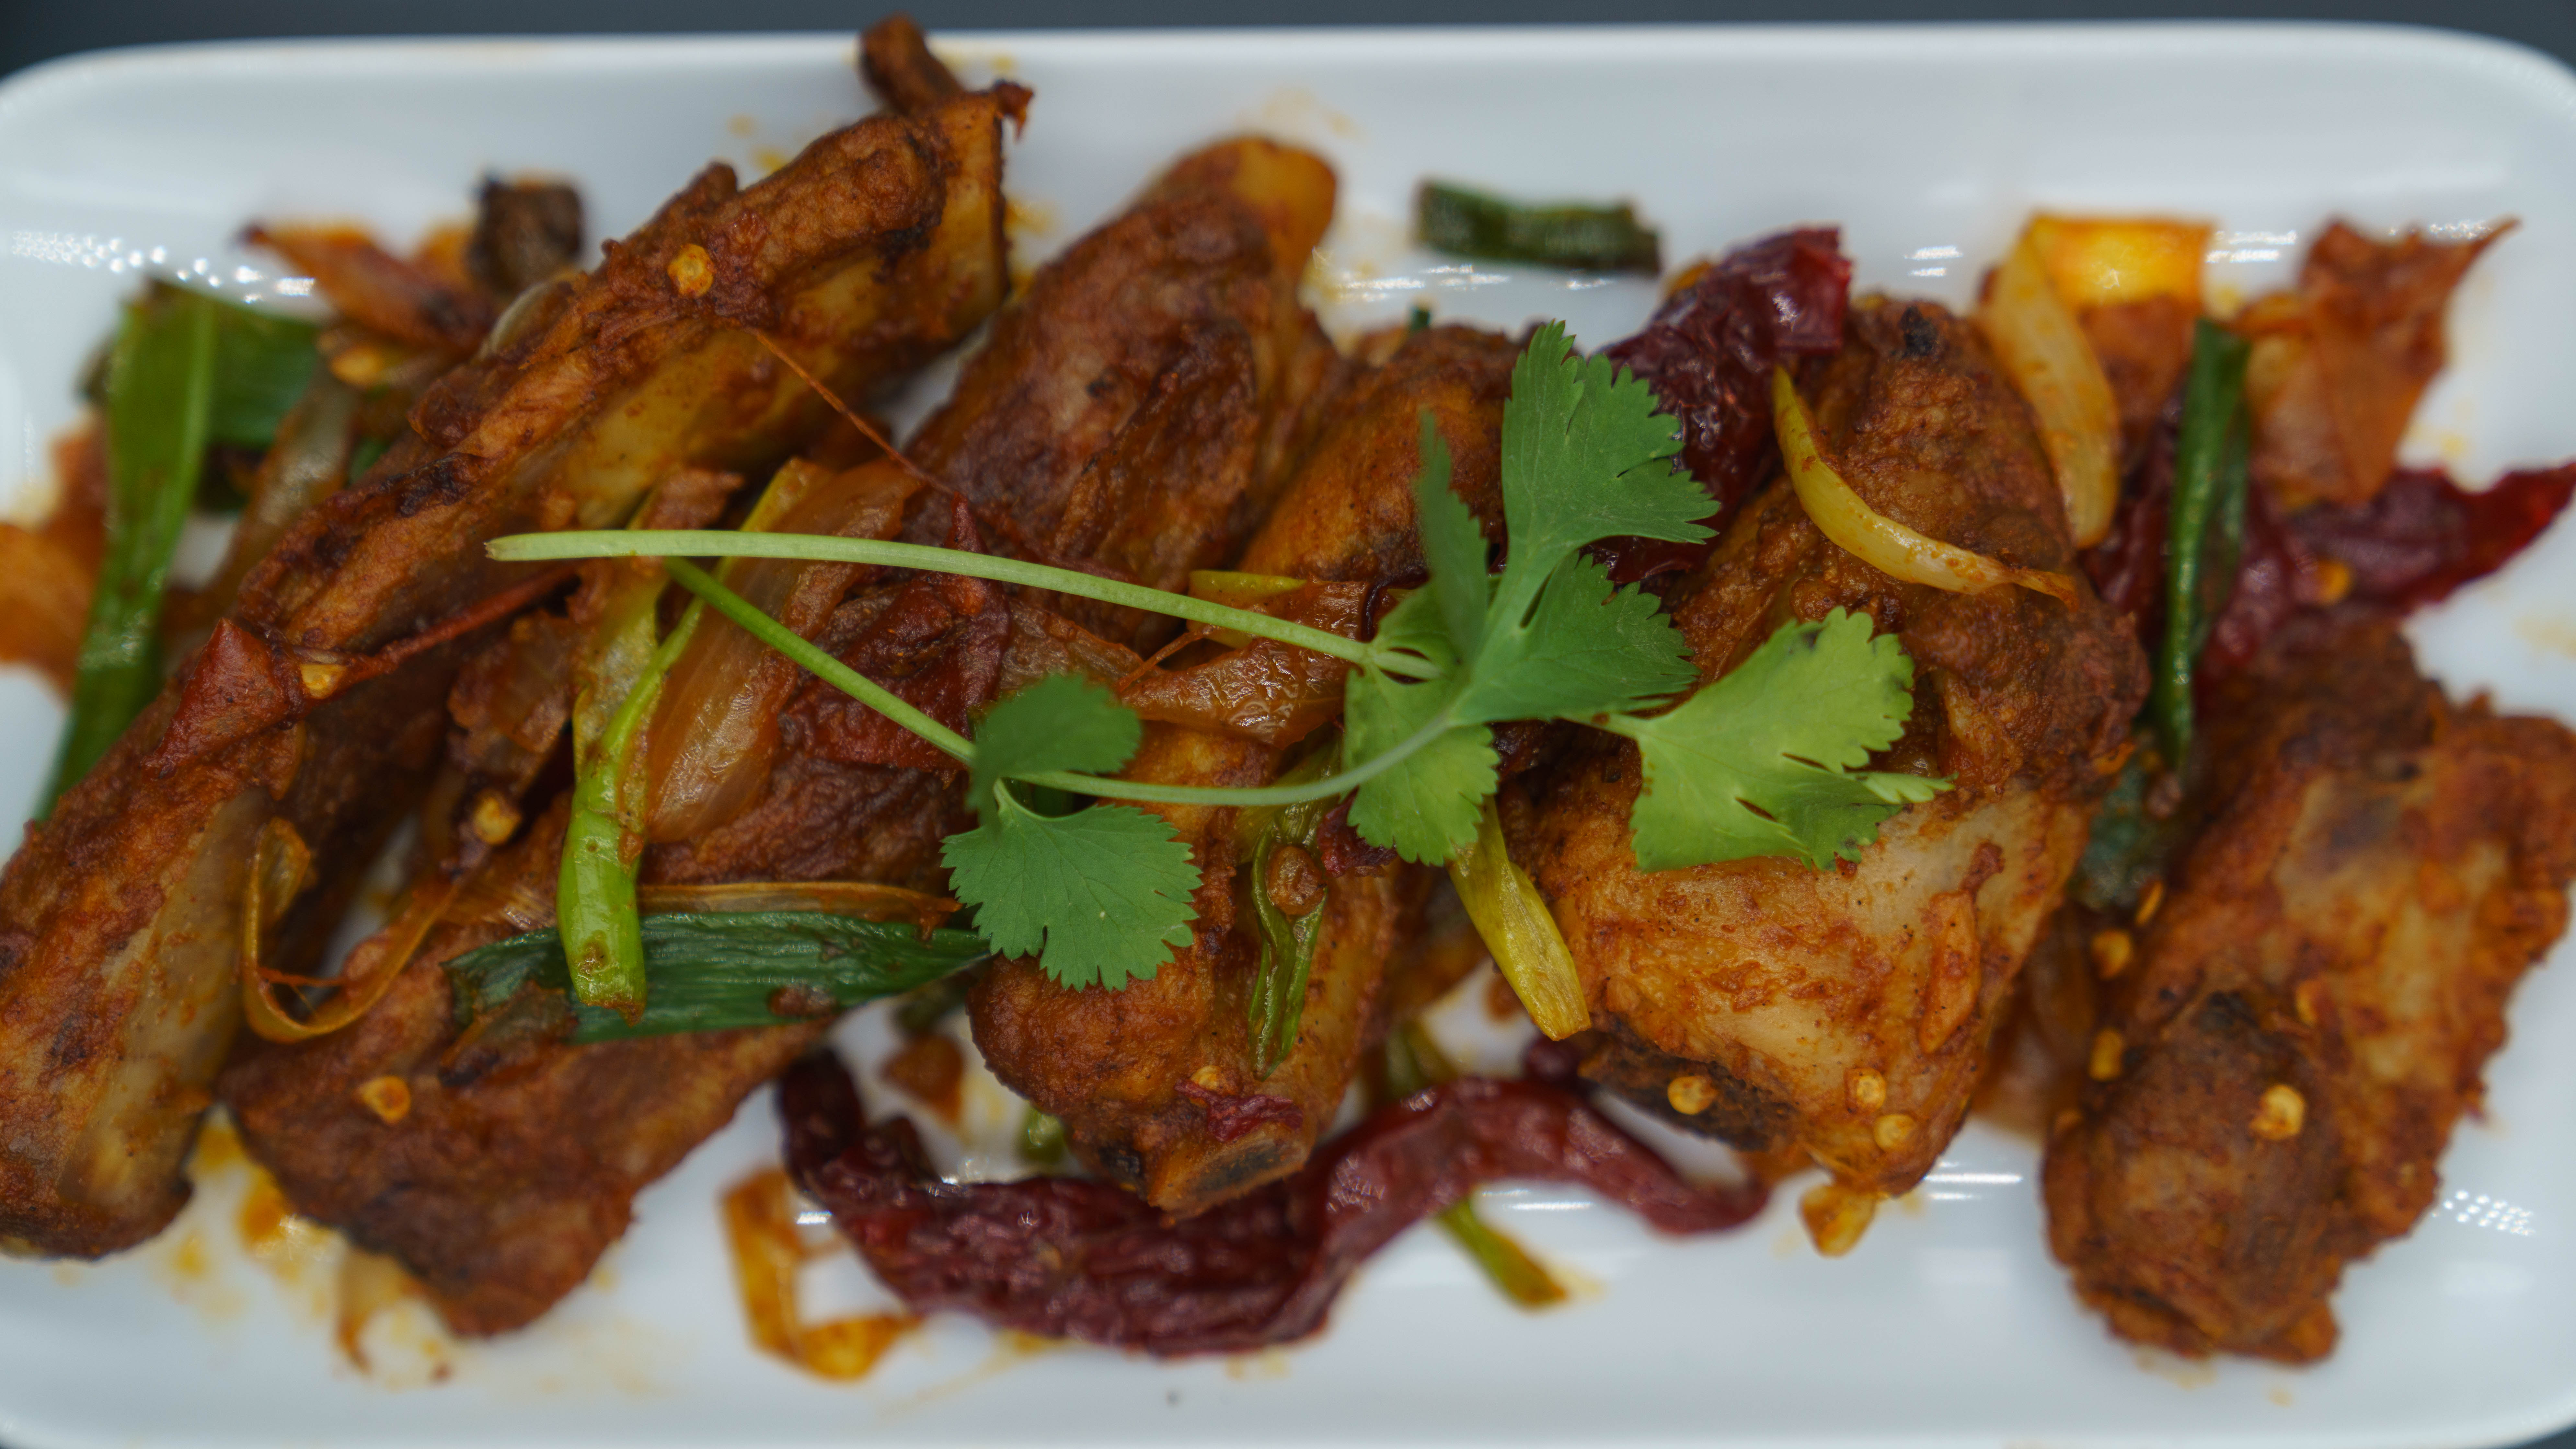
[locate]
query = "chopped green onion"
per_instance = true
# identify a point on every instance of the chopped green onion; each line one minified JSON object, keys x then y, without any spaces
{"x":713,"y":971}
{"x":2204,"y":526}
{"x":1580,"y":238}
{"x":263,"y":363}
{"x":596,"y":921}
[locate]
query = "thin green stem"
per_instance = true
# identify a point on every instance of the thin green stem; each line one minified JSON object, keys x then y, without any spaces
{"x":1323,"y":789}
{"x":877,"y":697}
{"x":830,"y":670}
{"x":717,"y":543}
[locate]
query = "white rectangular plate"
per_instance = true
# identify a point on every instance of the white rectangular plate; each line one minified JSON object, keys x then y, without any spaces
{"x":1950,"y":1325}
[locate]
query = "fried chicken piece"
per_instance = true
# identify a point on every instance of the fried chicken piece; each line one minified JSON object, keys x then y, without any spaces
{"x":2311,"y":1008}
{"x":2339,"y":363}
{"x":476,"y":1190}
{"x":1157,"y":1083}
{"x":1846,"y":1012}
{"x":877,"y":247}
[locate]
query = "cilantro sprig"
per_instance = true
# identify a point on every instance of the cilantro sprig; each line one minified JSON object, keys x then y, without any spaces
{"x":1764,"y":761}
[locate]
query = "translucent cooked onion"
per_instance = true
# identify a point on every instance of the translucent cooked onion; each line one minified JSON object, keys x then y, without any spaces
{"x":716,"y":730}
{"x":1873,"y":537}
{"x":2044,"y":351}
{"x":1513,"y":918}
{"x":280,"y":867}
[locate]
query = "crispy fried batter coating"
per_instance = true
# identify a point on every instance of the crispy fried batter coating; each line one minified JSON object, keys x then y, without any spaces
{"x":2311,"y":1008}
{"x":476,"y":1190}
{"x":1148,"y":1079}
{"x":520,"y":1156}
{"x":871,"y":251}
{"x":1846,"y":1012}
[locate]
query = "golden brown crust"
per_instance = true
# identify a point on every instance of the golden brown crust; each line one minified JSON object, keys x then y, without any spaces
{"x":868,"y":253}
{"x":515,"y":1165}
{"x":1141,"y":1076}
{"x":1847,"y":1011}
{"x":2380,"y":871}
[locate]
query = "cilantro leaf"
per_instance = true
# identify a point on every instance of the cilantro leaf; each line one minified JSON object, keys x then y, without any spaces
{"x":1062,"y":722}
{"x":1587,"y":649}
{"x":1096,"y":895}
{"x":1584,"y":458}
{"x":1762,"y":761}
{"x":1426,"y":805}
{"x":1452,"y":545}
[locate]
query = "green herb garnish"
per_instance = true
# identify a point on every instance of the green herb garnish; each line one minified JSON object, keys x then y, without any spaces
{"x":1096,"y":894}
{"x":1766,"y":761}
{"x":1102,"y":894}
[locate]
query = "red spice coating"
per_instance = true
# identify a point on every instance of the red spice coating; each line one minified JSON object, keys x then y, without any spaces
{"x":1066,"y":1257}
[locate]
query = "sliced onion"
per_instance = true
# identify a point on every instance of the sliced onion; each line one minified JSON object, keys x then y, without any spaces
{"x":716,"y":730}
{"x":281,"y":864}
{"x":1873,"y":537}
{"x":1520,"y":932}
{"x":2044,"y":351}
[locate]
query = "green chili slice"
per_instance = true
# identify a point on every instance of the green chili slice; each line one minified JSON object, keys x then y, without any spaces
{"x":159,"y":389}
{"x":2205,"y":524}
{"x":1583,"y":238}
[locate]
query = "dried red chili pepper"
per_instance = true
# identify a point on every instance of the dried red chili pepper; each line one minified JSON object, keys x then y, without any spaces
{"x":2423,"y":536}
{"x":1072,"y":1258}
{"x":1708,"y":354}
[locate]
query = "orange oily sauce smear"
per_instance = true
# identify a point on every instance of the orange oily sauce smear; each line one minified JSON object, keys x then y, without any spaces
{"x":297,"y":1250}
{"x":769,"y":1250}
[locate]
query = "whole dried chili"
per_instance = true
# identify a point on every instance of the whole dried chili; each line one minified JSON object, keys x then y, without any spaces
{"x":1067,"y":1257}
{"x":2423,"y":536}
{"x":1708,"y":353}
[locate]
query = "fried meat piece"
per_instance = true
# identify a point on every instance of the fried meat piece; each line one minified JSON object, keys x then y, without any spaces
{"x":2339,"y":362}
{"x":1130,"y":414}
{"x":1157,"y":1083}
{"x":1846,"y":1012}
{"x":2310,"y":1010}
{"x":519,"y":1156}
{"x":877,"y":247}
{"x":475,"y":1190}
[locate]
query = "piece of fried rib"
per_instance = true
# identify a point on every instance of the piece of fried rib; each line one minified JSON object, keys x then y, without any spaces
{"x":480,"y":1189}
{"x":1156,"y":1083}
{"x":1845,"y":1012}
{"x":878,"y":246}
{"x":2310,"y":1010}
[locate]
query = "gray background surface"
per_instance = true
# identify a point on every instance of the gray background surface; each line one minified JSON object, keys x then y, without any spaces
{"x":37,"y":30}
